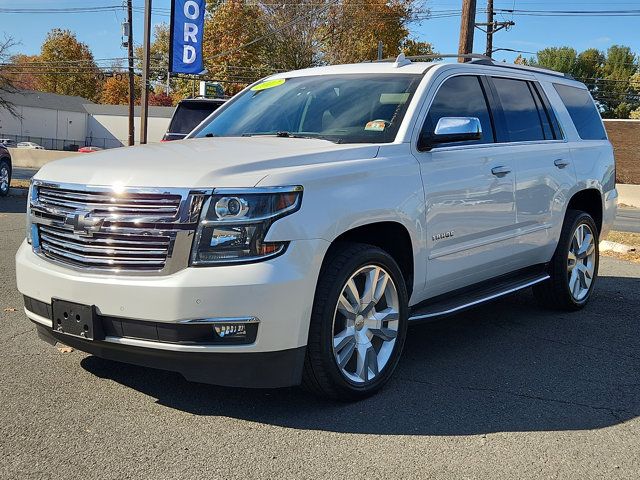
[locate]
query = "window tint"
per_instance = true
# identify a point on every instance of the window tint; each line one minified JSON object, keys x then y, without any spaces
{"x":546,"y":111}
{"x":583,"y":112}
{"x":461,"y":96}
{"x":520,"y":112}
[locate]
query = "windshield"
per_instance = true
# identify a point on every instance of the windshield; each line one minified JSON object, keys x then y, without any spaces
{"x":341,"y":108}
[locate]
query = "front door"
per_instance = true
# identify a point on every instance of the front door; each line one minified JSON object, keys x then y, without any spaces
{"x":470,"y":194}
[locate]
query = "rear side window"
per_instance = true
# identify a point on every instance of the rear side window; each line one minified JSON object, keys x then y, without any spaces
{"x":461,"y":96}
{"x":583,"y":112}
{"x":521,"y":115}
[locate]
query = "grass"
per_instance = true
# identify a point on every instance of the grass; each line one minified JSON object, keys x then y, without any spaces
{"x":627,"y":238}
{"x":15,"y":183}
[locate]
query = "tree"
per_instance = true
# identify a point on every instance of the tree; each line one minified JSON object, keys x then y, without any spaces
{"x":608,"y":76}
{"x":115,"y":90}
{"x":615,"y":91}
{"x":26,"y":68}
{"x":411,"y":47}
{"x":236,"y":45}
{"x":561,"y":59}
{"x":160,"y":99}
{"x":69,"y":67}
{"x":355,"y":27}
{"x":7,"y":78}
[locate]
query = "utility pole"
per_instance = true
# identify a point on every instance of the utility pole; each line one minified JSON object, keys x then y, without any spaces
{"x":132,"y":93}
{"x":489,"y":49}
{"x":467,"y":24}
{"x":146,"y":47}
{"x":380,"y":46}
{"x":492,"y":27}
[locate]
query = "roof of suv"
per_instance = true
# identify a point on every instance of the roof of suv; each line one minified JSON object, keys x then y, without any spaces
{"x":415,"y":67}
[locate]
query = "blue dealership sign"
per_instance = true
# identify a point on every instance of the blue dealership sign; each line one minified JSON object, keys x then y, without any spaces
{"x":185,"y":48}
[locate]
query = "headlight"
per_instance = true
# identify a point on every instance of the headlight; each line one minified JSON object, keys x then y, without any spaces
{"x":234,"y":223}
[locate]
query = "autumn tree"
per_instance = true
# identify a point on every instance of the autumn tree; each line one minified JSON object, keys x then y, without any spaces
{"x":69,"y":66}
{"x":354,"y":28}
{"x":115,"y":90}
{"x":235,"y":45}
{"x":415,"y":48}
{"x":25,"y":69}
{"x":294,"y":31}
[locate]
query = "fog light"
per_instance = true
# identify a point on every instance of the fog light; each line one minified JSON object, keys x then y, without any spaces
{"x":231,"y":330}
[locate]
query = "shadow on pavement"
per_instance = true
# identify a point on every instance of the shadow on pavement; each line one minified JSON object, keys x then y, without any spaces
{"x":13,"y":204}
{"x":507,"y":366}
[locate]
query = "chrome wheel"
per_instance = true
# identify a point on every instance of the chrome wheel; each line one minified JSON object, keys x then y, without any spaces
{"x":4,"y":178}
{"x":365,"y":324}
{"x":581,"y":261}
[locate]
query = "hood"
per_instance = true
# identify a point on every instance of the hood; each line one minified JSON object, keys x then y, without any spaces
{"x":200,"y":162}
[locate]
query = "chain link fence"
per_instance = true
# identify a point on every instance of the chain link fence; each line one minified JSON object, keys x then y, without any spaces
{"x":60,"y":144}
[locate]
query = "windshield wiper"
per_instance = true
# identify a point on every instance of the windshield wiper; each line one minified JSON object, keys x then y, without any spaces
{"x":285,"y":134}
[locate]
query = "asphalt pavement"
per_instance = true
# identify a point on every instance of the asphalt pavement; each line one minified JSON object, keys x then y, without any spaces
{"x":21,"y":173}
{"x":508,"y":390}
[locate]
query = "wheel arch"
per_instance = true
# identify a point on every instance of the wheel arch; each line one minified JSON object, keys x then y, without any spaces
{"x":588,"y":200}
{"x":391,"y":236}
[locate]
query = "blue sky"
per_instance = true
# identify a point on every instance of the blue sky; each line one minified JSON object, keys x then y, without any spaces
{"x":101,"y":31}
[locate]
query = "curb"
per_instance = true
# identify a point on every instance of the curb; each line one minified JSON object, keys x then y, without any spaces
{"x":606,"y":245}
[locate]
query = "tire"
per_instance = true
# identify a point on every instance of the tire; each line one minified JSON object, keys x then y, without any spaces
{"x":339,"y":332}
{"x":568,"y":270}
{"x":5,"y":177}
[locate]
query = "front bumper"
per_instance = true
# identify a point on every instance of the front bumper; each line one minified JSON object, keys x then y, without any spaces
{"x":278,"y":292}
{"x":255,"y":370}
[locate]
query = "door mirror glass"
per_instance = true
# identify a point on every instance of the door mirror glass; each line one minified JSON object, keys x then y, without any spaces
{"x":453,"y":129}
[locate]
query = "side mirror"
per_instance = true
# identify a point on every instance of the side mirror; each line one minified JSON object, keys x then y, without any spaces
{"x":450,"y":130}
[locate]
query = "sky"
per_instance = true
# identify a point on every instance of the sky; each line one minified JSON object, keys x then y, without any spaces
{"x":102,"y":31}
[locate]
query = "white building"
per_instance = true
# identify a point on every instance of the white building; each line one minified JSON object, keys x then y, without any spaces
{"x":52,"y":120}
{"x":108,"y":125}
{"x":58,"y":121}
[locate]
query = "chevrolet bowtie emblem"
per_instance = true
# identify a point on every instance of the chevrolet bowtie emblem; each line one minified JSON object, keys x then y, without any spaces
{"x":82,"y":223}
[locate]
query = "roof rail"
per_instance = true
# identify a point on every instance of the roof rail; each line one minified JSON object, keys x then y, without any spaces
{"x":514,"y":66}
{"x":476,"y":59}
{"x":434,"y":56}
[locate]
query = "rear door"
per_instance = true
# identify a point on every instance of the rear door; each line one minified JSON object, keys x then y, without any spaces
{"x":469,"y":189}
{"x":543,"y":168}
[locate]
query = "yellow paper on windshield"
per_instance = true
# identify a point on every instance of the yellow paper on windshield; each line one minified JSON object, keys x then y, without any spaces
{"x":268,"y":84}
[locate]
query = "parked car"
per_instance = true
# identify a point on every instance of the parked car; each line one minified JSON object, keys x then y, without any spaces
{"x":7,"y":142}
{"x":189,"y":114}
{"x":5,"y":170}
{"x":31,"y":145}
{"x":89,"y":149}
{"x":335,"y":207}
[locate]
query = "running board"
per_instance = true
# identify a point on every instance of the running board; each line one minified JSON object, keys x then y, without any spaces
{"x":449,"y":305}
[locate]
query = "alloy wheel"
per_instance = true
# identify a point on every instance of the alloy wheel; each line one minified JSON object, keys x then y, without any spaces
{"x":581,"y":262}
{"x":365,"y":324}
{"x":4,"y":178}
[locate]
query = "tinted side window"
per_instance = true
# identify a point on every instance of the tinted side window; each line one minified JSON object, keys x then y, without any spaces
{"x":461,"y":96}
{"x":520,"y":111}
{"x":583,"y":112}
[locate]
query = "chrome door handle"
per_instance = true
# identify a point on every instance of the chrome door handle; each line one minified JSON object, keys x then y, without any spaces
{"x":500,"y":171}
{"x":561,"y":162}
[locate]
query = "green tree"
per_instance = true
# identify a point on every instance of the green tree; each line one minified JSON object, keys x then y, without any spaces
{"x":411,"y":48}
{"x":69,"y":66}
{"x":615,"y":91}
{"x":561,"y":59}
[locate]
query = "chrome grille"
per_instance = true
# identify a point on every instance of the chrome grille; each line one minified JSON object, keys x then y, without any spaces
{"x":105,"y":249}
{"x":109,"y":204}
{"x":99,"y":228}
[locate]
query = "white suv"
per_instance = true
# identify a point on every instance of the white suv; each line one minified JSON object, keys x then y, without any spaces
{"x":316,"y":215}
